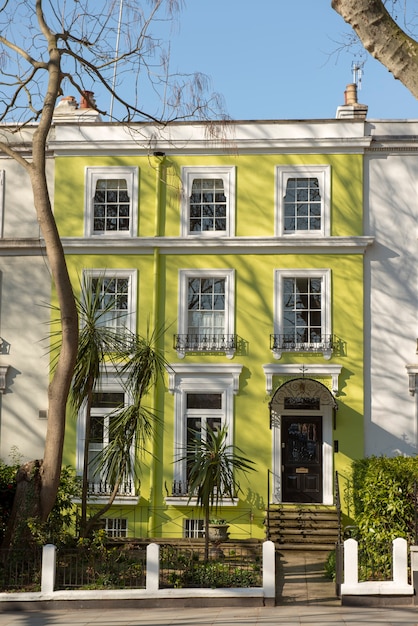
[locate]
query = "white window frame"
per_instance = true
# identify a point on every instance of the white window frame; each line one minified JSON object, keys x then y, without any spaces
{"x":325,"y":275}
{"x":92,"y":175}
{"x":193,"y":528}
{"x":323,"y":174}
{"x":108,"y":383}
{"x":229,"y":276}
{"x":199,"y":378}
{"x":116,"y":526}
{"x":129,"y":320}
{"x":227,"y":174}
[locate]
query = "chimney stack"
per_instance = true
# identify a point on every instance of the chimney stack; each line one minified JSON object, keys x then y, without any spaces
{"x":351,"y":109}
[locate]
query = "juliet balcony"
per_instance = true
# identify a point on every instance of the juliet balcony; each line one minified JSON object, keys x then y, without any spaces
{"x":205,"y":343}
{"x":102,"y":490}
{"x":324,"y":344}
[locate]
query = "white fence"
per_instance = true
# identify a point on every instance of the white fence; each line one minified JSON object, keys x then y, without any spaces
{"x":398,"y":586}
{"x":266,"y":593}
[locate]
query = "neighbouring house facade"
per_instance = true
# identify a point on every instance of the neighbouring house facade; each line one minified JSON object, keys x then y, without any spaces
{"x":279,"y":258}
{"x":25,"y":297}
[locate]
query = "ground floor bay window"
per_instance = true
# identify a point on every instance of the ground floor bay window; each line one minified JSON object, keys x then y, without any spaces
{"x":106,"y":399}
{"x":204,"y":400}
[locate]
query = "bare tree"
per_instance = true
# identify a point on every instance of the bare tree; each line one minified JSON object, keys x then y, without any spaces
{"x":46,"y":47}
{"x":382,"y":36}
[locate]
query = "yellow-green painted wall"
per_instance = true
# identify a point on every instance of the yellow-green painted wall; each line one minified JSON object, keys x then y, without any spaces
{"x":254,"y":305}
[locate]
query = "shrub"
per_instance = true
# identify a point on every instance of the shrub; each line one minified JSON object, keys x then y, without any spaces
{"x":384,"y":505}
{"x":7,"y":492}
{"x":216,"y":574}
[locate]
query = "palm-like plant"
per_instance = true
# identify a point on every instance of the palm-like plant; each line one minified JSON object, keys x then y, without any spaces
{"x":97,"y":345}
{"x":139,"y":364}
{"x":142,"y":366}
{"x":212,"y":467}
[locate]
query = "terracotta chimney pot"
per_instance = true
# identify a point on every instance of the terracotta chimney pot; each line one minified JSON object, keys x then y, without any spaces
{"x":87,"y":100}
{"x":350,"y":94}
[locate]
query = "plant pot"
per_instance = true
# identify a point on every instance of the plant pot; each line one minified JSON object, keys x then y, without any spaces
{"x":218,"y":532}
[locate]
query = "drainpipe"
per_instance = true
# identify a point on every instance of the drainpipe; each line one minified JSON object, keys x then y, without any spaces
{"x":156,"y":321}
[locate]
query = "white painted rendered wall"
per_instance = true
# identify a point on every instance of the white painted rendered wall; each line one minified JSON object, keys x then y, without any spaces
{"x":391,"y":272}
{"x":25,"y":288}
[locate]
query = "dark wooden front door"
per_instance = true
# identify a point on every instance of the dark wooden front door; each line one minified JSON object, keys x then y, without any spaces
{"x":302,"y":459}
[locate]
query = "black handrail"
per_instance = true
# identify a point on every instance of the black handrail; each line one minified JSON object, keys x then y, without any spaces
{"x":339,"y":547}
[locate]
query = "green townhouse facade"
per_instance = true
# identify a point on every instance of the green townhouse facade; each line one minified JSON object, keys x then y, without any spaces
{"x":244,"y":242}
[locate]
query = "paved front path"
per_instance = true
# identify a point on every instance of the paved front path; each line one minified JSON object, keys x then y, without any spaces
{"x":295,"y":615}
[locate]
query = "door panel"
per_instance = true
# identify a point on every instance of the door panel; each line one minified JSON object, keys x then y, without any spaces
{"x":302,"y":459}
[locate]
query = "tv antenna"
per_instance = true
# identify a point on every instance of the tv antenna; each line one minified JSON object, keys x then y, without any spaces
{"x":116,"y":59}
{"x":357,"y":69}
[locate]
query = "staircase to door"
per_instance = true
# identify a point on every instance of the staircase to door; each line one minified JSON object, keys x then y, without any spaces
{"x":302,"y":527}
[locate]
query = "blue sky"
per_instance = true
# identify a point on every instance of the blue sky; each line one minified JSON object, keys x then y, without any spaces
{"x":277,"y":59}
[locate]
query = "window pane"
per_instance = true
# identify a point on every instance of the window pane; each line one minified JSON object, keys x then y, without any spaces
{"x":207,"y":203}
{"x":302,"y":201}
{"x":302,"y":309}
{"x":111,"y":202}
{"x":204,"y":401}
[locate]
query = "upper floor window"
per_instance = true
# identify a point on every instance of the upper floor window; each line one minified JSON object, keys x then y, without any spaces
{"x":303,"y":198}
{"x":116,"y":293}
{"x":208,"y":201}
{"x":302,"y":312}
{"x":111,"y":201}
{"x":206,"y":312}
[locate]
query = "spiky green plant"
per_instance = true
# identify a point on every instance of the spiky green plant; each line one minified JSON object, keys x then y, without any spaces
{"x":98,"y":344}
{"x":132,"y":426}
{"x":213,"y":465}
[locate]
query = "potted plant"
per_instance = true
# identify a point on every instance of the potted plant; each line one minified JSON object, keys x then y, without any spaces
{"x":217,"y":530}
{"x":212,"y":465}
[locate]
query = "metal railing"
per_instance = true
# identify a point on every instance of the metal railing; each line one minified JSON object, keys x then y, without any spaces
{"x":115,"y":568}
{"x":231,"y":566}
{"x":20,"y":569}
{"x":291,"y":343}
{"x":104,"y":488}
{"x":205,"y":342}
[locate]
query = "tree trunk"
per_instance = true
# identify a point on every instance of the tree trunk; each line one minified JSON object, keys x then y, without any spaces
{"x":60,"y":384}
{"x":383,"y":38}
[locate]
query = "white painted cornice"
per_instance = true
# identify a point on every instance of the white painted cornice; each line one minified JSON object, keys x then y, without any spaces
{"x":209,"y":245}
{"x":270,"y":136}
{"x":190,"y":245}
{"x":295,"y":369}
{"x":22,"y":247}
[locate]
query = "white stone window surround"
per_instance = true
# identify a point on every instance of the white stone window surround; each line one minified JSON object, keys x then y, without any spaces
{"x":323,"y":174}
{"x":199,"y":378}
{"x":228,"y":175}
{"x":109,"y":383}
{"x":325,"y":275}
{"x":92,"y":175}
{"x":229,"y":276}
{"x":129,"y":320}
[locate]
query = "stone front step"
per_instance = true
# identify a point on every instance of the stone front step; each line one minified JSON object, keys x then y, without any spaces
{"x":301,"y":526}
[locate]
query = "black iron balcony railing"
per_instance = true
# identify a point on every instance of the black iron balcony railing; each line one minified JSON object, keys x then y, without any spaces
{"x":205,"y":343}
{"x":180,"y":488}
{"x":103,"y":488}
{"x":289,"y":343}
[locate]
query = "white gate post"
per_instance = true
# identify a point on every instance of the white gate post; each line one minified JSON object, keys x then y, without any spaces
{"x":350,"y":562}
{"x":400,"y":561}
{"x":269,"y":570}
{"x":153,"y":567}
{"x":49,"y":561}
